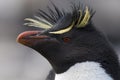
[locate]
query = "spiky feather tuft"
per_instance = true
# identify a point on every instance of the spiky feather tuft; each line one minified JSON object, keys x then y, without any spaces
{"x":46,"y":20}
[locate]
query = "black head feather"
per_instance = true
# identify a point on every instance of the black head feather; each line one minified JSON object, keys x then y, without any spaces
{"x":86,"y":43}
{"x":79,"y":16}
{"x":55,"y":14}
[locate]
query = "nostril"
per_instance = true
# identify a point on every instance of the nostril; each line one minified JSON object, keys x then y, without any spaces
{"x":33,"y":35}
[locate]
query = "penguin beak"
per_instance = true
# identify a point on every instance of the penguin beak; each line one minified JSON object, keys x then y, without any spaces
{"x":29,"y":38}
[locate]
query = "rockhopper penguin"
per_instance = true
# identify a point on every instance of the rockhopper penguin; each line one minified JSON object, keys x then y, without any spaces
{"x":71,"y":44}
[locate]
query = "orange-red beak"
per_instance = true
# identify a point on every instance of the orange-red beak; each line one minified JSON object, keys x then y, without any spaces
{"x":28,"y":38}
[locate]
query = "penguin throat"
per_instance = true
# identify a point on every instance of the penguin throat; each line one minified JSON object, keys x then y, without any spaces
{"x":84,"y":71}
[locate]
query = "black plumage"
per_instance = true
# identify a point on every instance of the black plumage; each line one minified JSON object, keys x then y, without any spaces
{"x":79,"y":44}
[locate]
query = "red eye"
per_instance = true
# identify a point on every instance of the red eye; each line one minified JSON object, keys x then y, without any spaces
{"x":66,"y":39}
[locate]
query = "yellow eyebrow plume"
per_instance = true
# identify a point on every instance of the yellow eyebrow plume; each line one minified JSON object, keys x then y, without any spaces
{"x":63,"y":30}
{"x":36,"y":23}
{"x":79,"y":20}
{"x":86,"y":18}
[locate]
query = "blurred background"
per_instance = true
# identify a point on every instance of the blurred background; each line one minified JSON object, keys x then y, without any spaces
{"x":18,"y":62}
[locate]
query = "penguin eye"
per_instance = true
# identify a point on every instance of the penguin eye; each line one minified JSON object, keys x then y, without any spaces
{"x":66,"y":39}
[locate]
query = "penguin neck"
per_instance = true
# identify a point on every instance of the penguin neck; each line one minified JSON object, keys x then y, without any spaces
{"x":84,"y":71}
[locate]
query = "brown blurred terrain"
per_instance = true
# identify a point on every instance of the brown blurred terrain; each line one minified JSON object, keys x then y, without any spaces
{"x":18,"y":62}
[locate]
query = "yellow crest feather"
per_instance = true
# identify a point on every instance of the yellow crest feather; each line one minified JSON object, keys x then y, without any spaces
{"x":79,"y":20}
{"x":63,"y":30}
{"x":86,"y":18}
{"x":36,"y":23}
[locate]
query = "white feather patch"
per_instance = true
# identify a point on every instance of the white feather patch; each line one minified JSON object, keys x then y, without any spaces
{"x":84,"y":71}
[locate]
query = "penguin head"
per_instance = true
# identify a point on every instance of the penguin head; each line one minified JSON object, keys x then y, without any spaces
{"x":67,"y":38}
{"x":62,"y":36}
